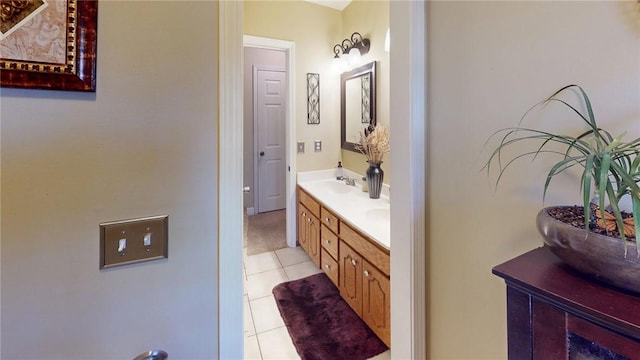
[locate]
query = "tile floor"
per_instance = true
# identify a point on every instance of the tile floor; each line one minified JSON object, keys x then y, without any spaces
{"x":266,"y":337}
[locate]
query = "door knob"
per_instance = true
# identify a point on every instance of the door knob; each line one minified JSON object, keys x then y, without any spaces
{"x":261,"y":153}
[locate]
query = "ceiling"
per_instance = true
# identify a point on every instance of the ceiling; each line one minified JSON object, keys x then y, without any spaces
{"x":334,"y":4}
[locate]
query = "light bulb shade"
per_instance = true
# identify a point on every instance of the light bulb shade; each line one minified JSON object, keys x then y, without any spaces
{"x":354,"y":57}
{"x":339,"y":64}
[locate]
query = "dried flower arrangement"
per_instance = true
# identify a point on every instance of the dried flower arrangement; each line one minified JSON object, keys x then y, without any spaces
{"x":374,"y":143}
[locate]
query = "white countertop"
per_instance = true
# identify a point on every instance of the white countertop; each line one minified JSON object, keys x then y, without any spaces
{"x":369,"y":216}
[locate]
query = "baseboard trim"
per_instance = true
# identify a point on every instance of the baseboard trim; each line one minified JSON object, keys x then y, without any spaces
{"x":251,"y":211}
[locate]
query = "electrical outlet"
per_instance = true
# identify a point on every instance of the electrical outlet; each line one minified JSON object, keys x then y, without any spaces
{"x":130,"y":241}
{"x":317,"y":146}
{"x":300,"y":147}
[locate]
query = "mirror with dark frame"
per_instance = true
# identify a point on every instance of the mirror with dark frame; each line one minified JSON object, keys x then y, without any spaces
{"x":357,"y":103}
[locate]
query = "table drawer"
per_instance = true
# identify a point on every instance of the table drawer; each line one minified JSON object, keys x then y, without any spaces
{"x":329,"y":241}
{"x":330,"y":267}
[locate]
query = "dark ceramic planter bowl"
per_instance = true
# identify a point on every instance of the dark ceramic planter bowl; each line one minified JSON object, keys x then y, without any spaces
{"x":600,"y":257}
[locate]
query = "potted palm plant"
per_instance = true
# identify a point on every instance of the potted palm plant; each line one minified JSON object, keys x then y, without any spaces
{"x":596,"y":237}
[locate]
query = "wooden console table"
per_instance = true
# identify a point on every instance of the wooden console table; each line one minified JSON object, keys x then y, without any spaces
{"x":554,"y":312}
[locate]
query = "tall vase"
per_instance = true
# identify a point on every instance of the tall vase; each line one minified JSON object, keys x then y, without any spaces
{"x":375,"y":175}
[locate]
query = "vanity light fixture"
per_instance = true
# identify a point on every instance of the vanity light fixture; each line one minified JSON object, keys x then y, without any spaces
{"x":348,"y":52}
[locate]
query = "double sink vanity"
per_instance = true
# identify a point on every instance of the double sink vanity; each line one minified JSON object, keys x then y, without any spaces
{"x":347,"y":235}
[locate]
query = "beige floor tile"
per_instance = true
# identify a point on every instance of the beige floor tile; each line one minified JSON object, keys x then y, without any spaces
{"x":291,"y":256}
{"x":251,"y":348}
{"x":266,"y":315}
{"x":276,"y":344}
{"x":299,"y":271}
{"x":261,"y":262}
{"x":249,"y":328}
{"x":260,"y":285}
{"x":384,"y":356}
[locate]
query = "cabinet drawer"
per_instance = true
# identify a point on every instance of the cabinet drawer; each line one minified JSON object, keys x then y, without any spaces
{"x":366,"y":248}
{"x":329,"y":266}
{"x":309,"y":202}
{"x":329,"y":241}
{"x":328,"y":219}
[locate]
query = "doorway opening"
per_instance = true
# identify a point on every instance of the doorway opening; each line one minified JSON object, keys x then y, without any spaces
{"x":408,"y":20}
{"x":265,"y":97}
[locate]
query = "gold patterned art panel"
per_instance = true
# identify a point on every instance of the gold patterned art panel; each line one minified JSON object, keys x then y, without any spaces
{"x":48,"y":44}
{"x":41,"y":39}
{"x":14,"y":13}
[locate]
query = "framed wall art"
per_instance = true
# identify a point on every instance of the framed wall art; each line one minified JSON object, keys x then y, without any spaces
{"x":313,"y":98}
{"x":48,"y":44}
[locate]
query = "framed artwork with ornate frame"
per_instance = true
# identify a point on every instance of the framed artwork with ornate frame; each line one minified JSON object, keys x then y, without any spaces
{"x":48,"y":44}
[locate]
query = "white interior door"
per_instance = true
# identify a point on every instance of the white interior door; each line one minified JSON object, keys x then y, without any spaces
{"x":270,"y":96}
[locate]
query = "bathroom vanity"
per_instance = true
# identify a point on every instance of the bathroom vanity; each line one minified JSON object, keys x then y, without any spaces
{"x":347,"y":235}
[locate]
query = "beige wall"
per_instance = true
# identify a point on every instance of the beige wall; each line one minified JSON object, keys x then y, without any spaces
{"x":314,"y":30}
{"x":371,"y":20}
{"x":143,"y":144}
{"x":264,"y":57}
{"x":488,"y":62}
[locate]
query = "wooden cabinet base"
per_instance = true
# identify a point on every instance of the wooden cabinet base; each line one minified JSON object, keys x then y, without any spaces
{"x":552,"y":312}
{"x":359,"y":268}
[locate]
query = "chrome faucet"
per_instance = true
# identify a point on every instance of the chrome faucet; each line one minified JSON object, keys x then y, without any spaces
{"x":350,"y":182}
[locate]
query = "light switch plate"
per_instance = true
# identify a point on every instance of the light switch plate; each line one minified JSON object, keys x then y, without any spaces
{"x":300,"y":147}
{"x":130,"y":241}
{"x":317,"y":146}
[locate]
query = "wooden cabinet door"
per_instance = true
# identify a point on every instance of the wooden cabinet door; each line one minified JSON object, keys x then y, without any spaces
{"x":303,"y":231}
{"x":350,"y":271}
{"x":376,"y":295}
{"x":313,"y":239}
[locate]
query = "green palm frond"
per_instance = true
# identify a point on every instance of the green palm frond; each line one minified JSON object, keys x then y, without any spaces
{"x":609,"y":163}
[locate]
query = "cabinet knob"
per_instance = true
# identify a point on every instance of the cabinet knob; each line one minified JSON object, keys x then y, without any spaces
{"x":353,"y":262}
{"x":366,"y":273}
{"x":327,"y":241}
{"x":304,"y":214}
{"x":327,"y":219}
{"x":326,"y":266}
{"x":308,"y":219}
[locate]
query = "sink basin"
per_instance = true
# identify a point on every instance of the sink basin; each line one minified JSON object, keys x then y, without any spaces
{"x":378,"y":215}
{"x":336,"y":187}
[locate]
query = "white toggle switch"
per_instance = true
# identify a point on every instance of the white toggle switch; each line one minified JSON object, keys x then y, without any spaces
{"x":122,"y":244}
{"x":147,"y":240}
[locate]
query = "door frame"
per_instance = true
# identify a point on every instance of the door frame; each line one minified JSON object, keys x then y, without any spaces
{"x":230,"y":279}
{"x":408,"y":208}
{"x":256,"y":177}
{"x":289,"y":47}
{"x":409,"y":174}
